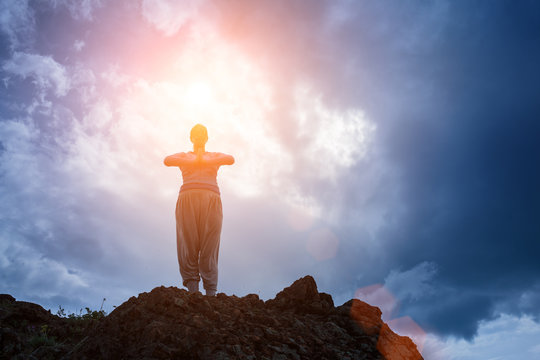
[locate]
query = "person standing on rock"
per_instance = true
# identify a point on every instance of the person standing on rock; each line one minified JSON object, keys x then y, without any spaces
{"x":199,"y":212}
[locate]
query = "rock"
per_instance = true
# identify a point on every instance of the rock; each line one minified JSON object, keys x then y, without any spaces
{"x":395,"y":347}
{"x":6,"y":298}
{"x":303,"y":289}
{"x":167,"y":322}
{"x":327,"y":300}
{"x":365,"y":315}
{"x":302,"y":297}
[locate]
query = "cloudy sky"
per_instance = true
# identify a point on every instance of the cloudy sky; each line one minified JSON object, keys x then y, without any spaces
{"x":388,"y":148}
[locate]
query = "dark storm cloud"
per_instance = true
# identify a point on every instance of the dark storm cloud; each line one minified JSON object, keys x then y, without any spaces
{"x":465,"y":144}
{"x":454,"y":90}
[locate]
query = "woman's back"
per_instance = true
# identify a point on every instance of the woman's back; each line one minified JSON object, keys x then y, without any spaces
{"x":199,"y":212}
{"x":201,"y":175}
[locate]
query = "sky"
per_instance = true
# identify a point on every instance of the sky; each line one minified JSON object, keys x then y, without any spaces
{"x":387,"y":148}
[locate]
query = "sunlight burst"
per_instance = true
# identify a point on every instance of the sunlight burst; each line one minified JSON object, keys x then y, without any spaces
{"x":199,"y":94}
{"x":211,"y":83}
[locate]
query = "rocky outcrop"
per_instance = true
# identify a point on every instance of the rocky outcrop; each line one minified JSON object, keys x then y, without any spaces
{"x":170,"y":323}
{"x":27,"y":331}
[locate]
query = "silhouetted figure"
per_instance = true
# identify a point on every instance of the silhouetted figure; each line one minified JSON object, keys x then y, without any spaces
{"x":198,"y":212}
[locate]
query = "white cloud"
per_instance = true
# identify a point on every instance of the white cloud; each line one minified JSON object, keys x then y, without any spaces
{"x":106,"y":181}
{"x":108,"y":173}
{"x":168,"y":16}
{"x":83,"y":81}
{"x":114,"y":76}
{"x":99,"y":116}
{"x":35,"y":272}
{"x":508,"y":337}
{"x":28,"y":215}
{"x":334,"y":138}
{"x":238,"y":109}
{"x":17,"y":18}
{"x":78,"y":45}
{"x":529,"y":300}
{"x":44,"y":70}
{"x":79,"y":9}
{"x":16,"y":21}
{"x":56,"y":231}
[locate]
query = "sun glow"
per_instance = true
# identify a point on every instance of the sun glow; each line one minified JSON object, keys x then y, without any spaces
{"x":247,"y":111}
{"x":199,"y":94}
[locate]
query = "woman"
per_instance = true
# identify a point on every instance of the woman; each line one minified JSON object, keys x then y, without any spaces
{"x":198,"y":212}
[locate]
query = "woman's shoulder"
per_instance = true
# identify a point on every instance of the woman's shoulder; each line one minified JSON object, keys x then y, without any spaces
{"x":215,"y":154}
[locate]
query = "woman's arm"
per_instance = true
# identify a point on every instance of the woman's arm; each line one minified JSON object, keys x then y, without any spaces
{"x":228,"y":159}
{"x":218,"y":159}
{"x":180,"y":159}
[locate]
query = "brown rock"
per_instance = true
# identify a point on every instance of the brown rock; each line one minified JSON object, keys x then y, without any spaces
{"x":366,"y":316}
{"x":303,"y":289}
{"x":169,"y":323}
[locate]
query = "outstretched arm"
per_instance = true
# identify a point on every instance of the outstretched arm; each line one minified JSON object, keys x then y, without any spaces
{"x":218,"y":159}
{"x":180,"y":159}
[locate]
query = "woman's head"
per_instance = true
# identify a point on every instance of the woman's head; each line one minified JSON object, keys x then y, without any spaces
{"x":199,"y":135}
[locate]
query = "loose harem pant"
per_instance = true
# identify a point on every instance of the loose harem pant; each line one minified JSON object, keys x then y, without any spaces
{"x":199,"y":216}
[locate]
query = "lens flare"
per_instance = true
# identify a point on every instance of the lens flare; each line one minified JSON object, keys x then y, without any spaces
{"x":299,"y":219}
{"x":366,"y":316}
{"x":378,"y":295}
{"x":408,"y":327}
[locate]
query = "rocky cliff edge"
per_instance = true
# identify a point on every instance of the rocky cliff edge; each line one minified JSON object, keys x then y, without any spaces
{"x":170,"y":323}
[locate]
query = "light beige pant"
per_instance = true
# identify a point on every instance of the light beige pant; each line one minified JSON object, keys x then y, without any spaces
{"x":199,"y":216}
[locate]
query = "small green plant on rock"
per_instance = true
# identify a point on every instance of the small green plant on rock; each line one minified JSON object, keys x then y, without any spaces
{"x":42,"y":338}
{"x":90,"y":314}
